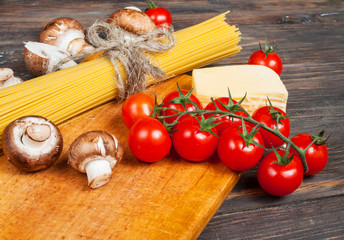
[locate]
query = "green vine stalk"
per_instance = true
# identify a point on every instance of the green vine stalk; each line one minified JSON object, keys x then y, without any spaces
{"x":231,"y":108}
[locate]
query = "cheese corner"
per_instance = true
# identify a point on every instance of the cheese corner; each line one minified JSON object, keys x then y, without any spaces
{"x":258,"y":82}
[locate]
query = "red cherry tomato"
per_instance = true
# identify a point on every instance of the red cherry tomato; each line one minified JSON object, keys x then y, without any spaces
{"x":316,"y":155}
{"x":267,"y":58}
{"x":160,"y":16}
{"x":263,"y":115}
{"x":135,"y":107}
{"x":191,"y":143}
{"x":234,"y":153}
{"x":226,"y":121}
{"x":168,"y":103}
{"x":148,"y":140}
{"x":277,"y":179}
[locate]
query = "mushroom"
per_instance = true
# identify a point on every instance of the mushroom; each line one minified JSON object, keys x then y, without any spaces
{"x":133,"y":8}
{"x":41,"y":58}
{"x":95,"y":153}
{"x":7,"y":78}
{"x":66,"y":34}
{"x":133,"y":21}
{"x":32,"y":143}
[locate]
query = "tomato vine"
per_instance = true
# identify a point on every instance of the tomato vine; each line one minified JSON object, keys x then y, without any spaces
{"x":230,"y":110}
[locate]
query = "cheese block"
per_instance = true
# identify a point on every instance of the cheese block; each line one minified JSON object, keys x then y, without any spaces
{"x":258,"y":82}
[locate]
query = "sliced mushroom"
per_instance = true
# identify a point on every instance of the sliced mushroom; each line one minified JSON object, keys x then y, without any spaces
{"x":32,"y":143}
{"x":66,"y":34}
{"x":7,"y":78}
{"x":133,"y":21}
{"x":41,"y":58}
{"x":95,"y":153}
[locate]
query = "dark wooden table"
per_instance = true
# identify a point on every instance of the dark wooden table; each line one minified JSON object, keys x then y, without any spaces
{"x":310,"y":38}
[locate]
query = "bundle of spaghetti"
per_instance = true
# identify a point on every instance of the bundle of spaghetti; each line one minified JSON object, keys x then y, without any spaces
{"x":64,"y":94}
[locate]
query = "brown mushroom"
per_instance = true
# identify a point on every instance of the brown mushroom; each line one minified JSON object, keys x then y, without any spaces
{"x":32,"y":143}
{"x":95,"y":153}
{"x":7,"y":78}
{"x":41,"y":58}
{"x":132,"y":21}
{"x":66,"y":34}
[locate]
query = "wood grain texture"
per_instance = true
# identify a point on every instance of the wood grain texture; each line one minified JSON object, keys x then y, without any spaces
{"x":309,"y":219}
{"x":308,"y":34}
{"x":169,"y":199}
{"x":310,"y":41}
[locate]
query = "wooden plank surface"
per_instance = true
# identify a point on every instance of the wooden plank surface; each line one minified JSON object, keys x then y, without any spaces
{"x":310,"y":41}
{"x":169,"y":199}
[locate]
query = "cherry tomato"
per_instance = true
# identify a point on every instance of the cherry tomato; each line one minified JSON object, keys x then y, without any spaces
{"x":148,"y":140}
{"x":278,"y":179}
{"x":226,"y":121}
{"x":264,"y":116}
{"x":135,"y":107}
{"x":192,"y":143}
{"x":316,"y":155}
{"x":234,"y":153}
{"x":267,"y":58}
{"x":174,"y":96}
{"x":160,"y":16}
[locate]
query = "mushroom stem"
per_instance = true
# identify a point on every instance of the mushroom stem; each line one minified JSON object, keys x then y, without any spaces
{"x":68,"y":37}
{"x":78,"y":45}
{"x":27,"y":141}
{"x":98,"y":173}
{"x":36,"y":135}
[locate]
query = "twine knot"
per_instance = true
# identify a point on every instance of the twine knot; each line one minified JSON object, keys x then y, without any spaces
{"x":131,"y":50}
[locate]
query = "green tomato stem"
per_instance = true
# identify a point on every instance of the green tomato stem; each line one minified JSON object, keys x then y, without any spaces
{"x":276,"y":132}
{"x":249,"y":119}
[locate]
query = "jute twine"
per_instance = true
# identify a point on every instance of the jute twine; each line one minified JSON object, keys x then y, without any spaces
{"x":131,"y":50}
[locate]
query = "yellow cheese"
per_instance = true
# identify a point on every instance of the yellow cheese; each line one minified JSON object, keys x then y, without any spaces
{"x":258,"y":82}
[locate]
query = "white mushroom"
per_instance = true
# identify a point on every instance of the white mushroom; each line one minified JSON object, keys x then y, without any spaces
{"x":41,"y":58}
{"x":95,"y":153}
{"x":133,"y":21}
{"x":66,"y":34}
{"x":32,"y":143}
{"x":7,"y":78}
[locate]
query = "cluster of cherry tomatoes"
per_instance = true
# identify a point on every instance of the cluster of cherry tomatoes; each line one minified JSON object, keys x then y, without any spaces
{"x":197,"y":133}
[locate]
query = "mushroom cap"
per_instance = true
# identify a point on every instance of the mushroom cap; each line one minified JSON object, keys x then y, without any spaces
{"x":25,"y":157}
{"x":10,"y":82}
{"x":38,"y":65}
{"x":132,"y":21}
{"x":94,"y":145}
{"x":40,"y":58}
{"x":57,"y":28}
{"x":8,"y":79}
{"x":6,"y":74}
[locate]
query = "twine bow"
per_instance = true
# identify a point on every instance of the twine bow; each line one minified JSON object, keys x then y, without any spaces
{"x":131,"y":50}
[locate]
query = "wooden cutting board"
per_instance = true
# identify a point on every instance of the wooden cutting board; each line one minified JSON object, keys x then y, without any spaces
{"x":169,"y":199}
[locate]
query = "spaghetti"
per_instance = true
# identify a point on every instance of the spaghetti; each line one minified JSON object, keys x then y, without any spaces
{"x":61,"y":95}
